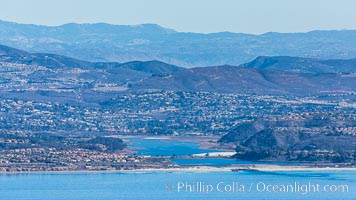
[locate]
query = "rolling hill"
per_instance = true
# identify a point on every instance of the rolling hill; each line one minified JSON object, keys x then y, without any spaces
{"x":309,"y":139}
{"x":303,"y":65}
{"x":238,"y":79}
{"x":265,"y":75}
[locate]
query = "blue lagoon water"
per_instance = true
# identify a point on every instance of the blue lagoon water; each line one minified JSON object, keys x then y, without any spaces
{"x":173,"y":185}
{"x":162,"y":147}
{"x":165,"y":147}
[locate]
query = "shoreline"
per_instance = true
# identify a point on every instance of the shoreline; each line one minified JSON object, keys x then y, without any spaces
{"x":198,"y":169}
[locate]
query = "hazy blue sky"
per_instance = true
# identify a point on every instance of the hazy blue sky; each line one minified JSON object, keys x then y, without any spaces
{"x":248,"y":16}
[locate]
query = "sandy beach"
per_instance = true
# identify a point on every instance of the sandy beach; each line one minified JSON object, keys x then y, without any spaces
{"x":259,"y":167}
{"x":203,"y":169}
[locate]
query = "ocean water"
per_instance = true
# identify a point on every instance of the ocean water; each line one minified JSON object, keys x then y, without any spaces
{"x":179,"y":185}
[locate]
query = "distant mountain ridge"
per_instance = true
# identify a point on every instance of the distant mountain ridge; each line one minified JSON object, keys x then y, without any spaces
{"x":305,"y":65}
{"x":116,"y":43}
{"x":12,"y":55}
{"x":234,"y":79}
{"x":66,"y":72}
{"x":264,"y":75}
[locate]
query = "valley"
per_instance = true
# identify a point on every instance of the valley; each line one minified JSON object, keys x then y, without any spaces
{"x":263,"y":111}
